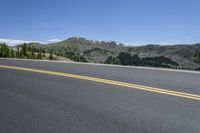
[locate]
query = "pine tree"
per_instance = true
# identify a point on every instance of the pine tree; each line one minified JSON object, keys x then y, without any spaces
{"x":3,"y":50}
{"x":197,"y":56}
{"x":33,"y":55}
{"x":7,"y":51}
{"x":24,"y":49}
{"x":51,"y":56}
{"x":21,"y":53}
{"x":39,"y":56}
{"x":0,"y":51}
{"x":29,"y":47}
{"x":12,"y":53}
{"x":43,"y":51}
{"x":18,"y":52}
{"x":29,"y":56}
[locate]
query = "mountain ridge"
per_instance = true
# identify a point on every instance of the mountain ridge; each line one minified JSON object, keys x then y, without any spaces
{"x":99,"y":51}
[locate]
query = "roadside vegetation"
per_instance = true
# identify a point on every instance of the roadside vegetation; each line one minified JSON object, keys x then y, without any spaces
{"x":24,"y":51}
{"x":197,"y":56}
{"x":127,"y":59}
{"x":83,"y":50}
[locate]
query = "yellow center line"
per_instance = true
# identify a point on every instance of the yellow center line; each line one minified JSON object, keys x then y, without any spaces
{"x":112,"y":82}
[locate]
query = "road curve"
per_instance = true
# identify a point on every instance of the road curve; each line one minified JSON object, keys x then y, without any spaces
{"x":41,"y":102}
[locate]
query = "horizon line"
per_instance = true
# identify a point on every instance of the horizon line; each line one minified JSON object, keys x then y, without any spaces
{"x":15,"y":42}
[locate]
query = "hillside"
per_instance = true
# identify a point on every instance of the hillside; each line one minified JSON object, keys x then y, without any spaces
{"x":99,"y":51}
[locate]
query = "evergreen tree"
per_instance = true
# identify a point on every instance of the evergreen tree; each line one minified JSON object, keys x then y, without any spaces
{"x":2,"y":50}
{"x":197,"y":56}
{"x":29,"y":55}
{"x":18,"y":52}
{"x":7,"y":51}
{"x":33,"y":55}
{"x":43,"y":51}
{"x":111,"y":60}
{"x":51,"y":56}
{"x":21,"y":54}
{"x":24,"y":49}
{"x":12,"y":53}
{"x":39,"y":56}
{"x":29,"y":48}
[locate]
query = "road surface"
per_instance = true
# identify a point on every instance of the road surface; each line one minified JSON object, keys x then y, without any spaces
{"x":50,"y":97}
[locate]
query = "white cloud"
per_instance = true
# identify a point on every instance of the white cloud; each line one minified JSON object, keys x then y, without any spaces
{"x":13,"y":42}
{"x":54,"y":40}
{"x":133,"y":44}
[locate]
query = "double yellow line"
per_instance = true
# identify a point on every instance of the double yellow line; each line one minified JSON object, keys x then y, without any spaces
{"x":111,"y":82}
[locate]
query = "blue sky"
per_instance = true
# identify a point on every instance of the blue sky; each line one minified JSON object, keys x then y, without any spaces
{"x":126,"y":21}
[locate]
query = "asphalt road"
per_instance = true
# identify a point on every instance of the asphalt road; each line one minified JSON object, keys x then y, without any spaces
{"x":41,"y":103}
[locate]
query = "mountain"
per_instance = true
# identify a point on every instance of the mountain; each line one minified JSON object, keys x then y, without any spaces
{"x":100,"y":51}
{"x":13,"y":42}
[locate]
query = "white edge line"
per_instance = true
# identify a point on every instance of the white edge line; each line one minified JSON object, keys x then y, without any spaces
{"x":109,"y":65}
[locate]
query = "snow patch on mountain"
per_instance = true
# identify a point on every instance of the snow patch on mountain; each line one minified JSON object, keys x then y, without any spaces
{"x":13,"y":42}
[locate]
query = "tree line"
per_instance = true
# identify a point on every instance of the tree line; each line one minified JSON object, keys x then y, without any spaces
{"x":125,"y":58}
{"x":197,"y":56}
{"x":67,"y":52}
{"x":6,"y":51}
{"x":25,"y":51}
